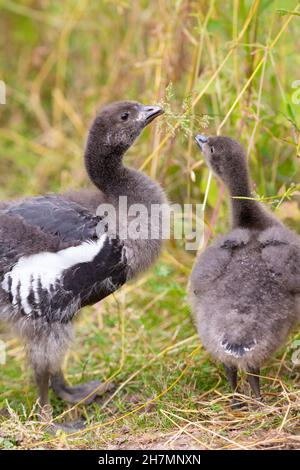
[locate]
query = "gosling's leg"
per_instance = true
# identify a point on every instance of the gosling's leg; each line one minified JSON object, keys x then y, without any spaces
{"x":254,"y":381}
{"x":42,"y":377}
{"x":42,"y":380}
{"x":231,"y":375}
{"x":86,"y":392}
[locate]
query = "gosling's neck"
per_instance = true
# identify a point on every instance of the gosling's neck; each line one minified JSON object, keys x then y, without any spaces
{"x":104,"y":165}
{"x":107,"y":172}
{"x":246,"y":212}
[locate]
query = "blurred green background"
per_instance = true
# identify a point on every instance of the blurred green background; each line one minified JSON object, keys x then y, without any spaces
{"x":218,"y":67}
{"x":62,"y":60}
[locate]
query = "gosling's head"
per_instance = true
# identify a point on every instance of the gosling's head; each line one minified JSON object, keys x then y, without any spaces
{"x":118,"y":124}
{"x":224,"y":156}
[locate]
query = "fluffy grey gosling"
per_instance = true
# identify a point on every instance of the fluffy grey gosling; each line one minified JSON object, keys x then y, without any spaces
{"x":245,"y":287}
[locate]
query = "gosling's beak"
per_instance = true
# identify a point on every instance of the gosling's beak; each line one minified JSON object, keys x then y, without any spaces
{"x":151,"y":112}
{"x":201,"y":140}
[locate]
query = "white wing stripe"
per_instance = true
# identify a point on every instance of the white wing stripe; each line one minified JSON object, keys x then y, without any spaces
{"x":46,"y":269}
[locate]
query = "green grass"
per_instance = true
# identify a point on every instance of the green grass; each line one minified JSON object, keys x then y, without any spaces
{"x":147,"y":335}
{"x":218,"y":68}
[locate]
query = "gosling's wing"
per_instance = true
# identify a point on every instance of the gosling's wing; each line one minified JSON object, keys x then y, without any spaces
{"x":212,"y":263}
{"x":18,"y":239}
{"x":209,"y":266}
{"x":57,"y":216}
{"x":56,"y":284}
{"x":280,"y":249}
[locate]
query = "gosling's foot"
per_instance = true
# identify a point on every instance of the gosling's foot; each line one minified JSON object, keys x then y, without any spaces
{"x":238,"y":404}
{"x":67,"y":428}
{"x":84,"y":393}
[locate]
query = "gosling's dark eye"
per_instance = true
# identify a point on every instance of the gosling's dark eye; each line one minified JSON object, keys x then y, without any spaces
{"x":212,"y":150}
{"x":125,"y":116}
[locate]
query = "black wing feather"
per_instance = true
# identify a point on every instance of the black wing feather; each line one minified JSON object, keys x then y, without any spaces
{"x":57,"y":216}
{"x":97,"y":279}
{"x":87,"y":283}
